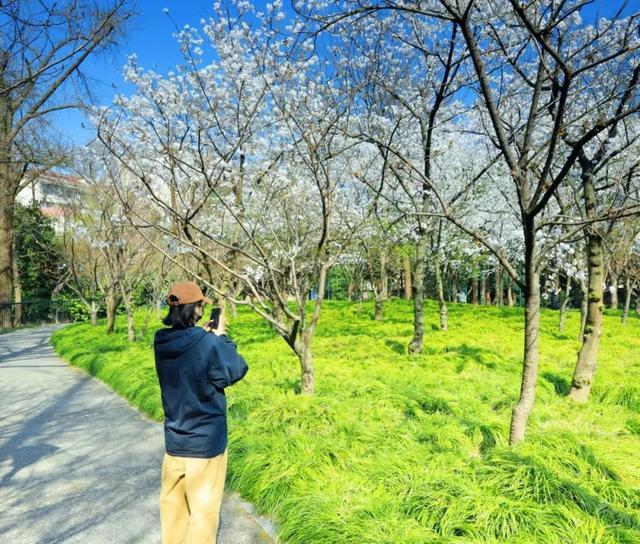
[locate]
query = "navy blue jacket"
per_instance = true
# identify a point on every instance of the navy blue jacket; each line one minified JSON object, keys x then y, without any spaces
{"x":193,"y":368}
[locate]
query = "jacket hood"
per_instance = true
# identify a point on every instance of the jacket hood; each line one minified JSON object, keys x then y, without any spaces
{"x":172,"y":343}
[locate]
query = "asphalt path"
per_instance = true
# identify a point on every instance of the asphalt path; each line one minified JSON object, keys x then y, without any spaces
{"x":78,"y":464}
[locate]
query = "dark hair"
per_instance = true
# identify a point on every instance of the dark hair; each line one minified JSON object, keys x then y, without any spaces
{"x":181,"y":316}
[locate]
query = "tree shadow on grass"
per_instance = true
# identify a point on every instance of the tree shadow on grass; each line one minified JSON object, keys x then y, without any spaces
{"x":560,"y":384}
{"x":289,"y":385}
{"x":484,"y":357}
{"x":397,"y":347}
{"x":569,"y":492}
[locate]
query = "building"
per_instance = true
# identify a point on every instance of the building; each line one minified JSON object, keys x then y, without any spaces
{"x":56,"y":195}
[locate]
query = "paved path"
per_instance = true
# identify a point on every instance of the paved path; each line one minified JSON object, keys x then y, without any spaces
{"x":77,"y":463}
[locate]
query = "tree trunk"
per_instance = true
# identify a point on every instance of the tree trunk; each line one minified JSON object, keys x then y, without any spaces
{"x":93,"y":313}
{"x":587,"y":357}
{"x":302,"y":348}
{"x":627,"y":300}
{"x":378,"y":308}
{"x":510,"y":300}
{"x":563,"y":305}
{"x":454,"y":289}
{"x":350,"y":290}
{"x":613,"y":292}
{"x":131,"y":324}
{"x":523,"y":408}
{"x":483,"y":289}
{"x":302,"y":344}
{"x":499,"y":286}
{"x":384,"y":282}
{"x":415,"y":346}
{"x":381,"y":291}
{"x":583,"y":309}
{"x":112,"y":303}
{"x":474,"y":291}
{"x":440,"y":291}
{"x":6,"y":257}
{"x":406,"y":271}
{"x":17,"y":316}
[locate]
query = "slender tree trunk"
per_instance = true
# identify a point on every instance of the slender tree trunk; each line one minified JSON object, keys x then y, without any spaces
{"x":483,"y":289}
{"x":474,"y":290}
{"x":350,"y":290}
{"x":17,"y":286}
{"x":415,"y":346}
{"x":454,"y":289}
{"x":6,"y":253}
{"x":93,"y":313}
{"x":613,"y":292}
{"x":440,"y":292}
{"x":381,"y":289}
{"x":510,"y":300}
{"x":378,"y":308}
{"x":499,"y":286}
{"x":563,"y":305}
{"x":587,"y":357}
{"x":232,"y":306}
{"x":302,"y":344}
{"x":384,"y":280}
{"x":627,"y":300}
{"x":406,"y":271}
{"x":523,"y":408}
{"x":128,"y":306}
{"x":54,"y":298}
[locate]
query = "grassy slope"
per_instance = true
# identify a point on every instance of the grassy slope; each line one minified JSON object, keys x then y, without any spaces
{"x":407,"y":450}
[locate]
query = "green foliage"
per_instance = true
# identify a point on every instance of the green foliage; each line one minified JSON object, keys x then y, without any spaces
{"x":338,"y":282}
{"x":398,"y":449}
{"x":37,"y":251}
{"x":76,"y":310}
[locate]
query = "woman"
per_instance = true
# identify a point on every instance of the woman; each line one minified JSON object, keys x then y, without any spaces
{"x":193,"y":367}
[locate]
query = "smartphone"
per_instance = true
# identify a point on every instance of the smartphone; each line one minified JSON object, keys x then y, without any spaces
{"x":215,"y":318}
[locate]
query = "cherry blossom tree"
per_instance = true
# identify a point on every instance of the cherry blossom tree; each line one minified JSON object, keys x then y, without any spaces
{"x":401,"y":112}
{"x":534,"y":65}
{"x":247,"y":166}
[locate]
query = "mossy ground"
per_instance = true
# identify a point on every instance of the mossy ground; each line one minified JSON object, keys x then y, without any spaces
{"x":410,"y":450}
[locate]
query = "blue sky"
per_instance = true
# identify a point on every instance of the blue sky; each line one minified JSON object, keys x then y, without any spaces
{"x":151,"y":38}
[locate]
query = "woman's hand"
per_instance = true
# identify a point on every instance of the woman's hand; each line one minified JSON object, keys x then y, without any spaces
{"x":221,"y":329}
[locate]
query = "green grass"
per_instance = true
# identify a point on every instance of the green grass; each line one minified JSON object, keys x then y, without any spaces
{"x":395,"y":449}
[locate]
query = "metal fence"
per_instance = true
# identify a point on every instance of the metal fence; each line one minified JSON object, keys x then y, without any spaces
{"x":30,"y":312}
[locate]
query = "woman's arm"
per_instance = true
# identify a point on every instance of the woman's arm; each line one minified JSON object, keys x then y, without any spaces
{"x":227,"y":366}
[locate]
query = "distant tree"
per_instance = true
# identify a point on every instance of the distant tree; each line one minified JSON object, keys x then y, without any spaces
{"x":43,"y":45}
{"x":40,"y":270}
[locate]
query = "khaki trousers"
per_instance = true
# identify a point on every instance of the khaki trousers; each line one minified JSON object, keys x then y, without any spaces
{"x":191,"y":498}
